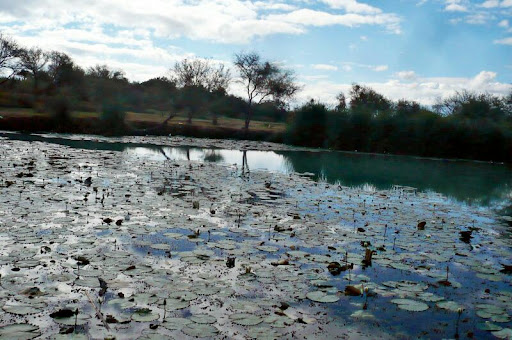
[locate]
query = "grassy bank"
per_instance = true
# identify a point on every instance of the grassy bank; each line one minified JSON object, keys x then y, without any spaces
{"x":28,"y":120}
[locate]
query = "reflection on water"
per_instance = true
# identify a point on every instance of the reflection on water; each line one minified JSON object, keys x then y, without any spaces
{"x":267,"y":160}
{"x":473,"y":182}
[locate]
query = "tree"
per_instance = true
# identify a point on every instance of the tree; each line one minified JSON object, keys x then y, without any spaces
{"x":9,"y":58}
{"x":62,"y":70}
{"x":104,"y":72}
{"x":33,"y":61}
{"x":263,"y":81}
{"x":470,"y":105}
{"x":201,"y":72}
{"x":363,"y":97}
{"x":405,"y":108}
{"x":198,"y":80}
{"x":342,"y":102}
{"x":309,"y":126}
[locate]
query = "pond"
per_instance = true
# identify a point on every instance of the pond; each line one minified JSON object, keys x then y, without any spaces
{"x":135,"y":238}
{"x":472,"y":182}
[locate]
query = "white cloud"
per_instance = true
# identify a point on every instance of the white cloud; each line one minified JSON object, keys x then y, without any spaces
{"x":226,"y":21}
{"x":352,"y":6}
{"x":496,"y":3}
{"x":503,"y":23}
{"x":455,"y":8}
{"x":380,"y":68}
{"x":478,"y":18}
{"x":423,"y":90}
{"x":505,"y":41}
{"x":406,"y":75}
{"x":490,"y":4}
{"x":325,"y":67}
{"x":309,"y":17}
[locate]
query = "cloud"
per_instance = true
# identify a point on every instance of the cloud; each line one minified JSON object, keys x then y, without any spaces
{"x":423,"y":90}
{"x":225,"y":21}
{"x":478,"y":18}
{"x":348,"y":66}
{"x":309,"y":17}
{"x":455,"y":8}
{"x":503,"y":23}
{"x":352,"y":6}
{"x":490,"y":4}
{"x":325,"y":67}
{"x":406,"y":75}
{"x":380,"y":68}
{"x":496,"y":3}
{"x":505,"y":41}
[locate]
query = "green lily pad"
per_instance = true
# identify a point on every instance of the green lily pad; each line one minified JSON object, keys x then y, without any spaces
{"x":245,"y":319}
{"x":320,"y":296}
{"x":19,"y":331}
{"x":200,"y":330}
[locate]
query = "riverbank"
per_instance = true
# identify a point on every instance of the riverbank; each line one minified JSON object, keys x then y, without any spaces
{"x":141,"y":124}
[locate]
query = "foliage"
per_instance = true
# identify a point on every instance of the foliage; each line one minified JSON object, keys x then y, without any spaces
{"x":201,"y":83}
{"x":60,"y":107}
{"x":309,"y":125}
{"x":113,"y":116}
{"x":263,"y":81}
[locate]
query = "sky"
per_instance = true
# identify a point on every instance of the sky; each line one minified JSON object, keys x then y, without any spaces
{"x":420,"y":50}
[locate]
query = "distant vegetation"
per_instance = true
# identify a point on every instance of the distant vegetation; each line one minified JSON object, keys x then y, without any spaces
{"x":466,"y":125}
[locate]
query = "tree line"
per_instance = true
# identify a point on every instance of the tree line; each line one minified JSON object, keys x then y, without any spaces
{"x":51,"y":81}
{"x":465,"y":125}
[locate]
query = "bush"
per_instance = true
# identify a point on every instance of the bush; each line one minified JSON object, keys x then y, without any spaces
{"x":309,"y":126}
{"x":112,"y":117}
{"x":59,"y":107}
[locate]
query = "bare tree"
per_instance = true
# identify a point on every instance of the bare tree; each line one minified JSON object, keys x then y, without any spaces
{"x":263,"y":81}
{"x":33,"y":61}
{"x":201,"y":73}
{"x":198,"y":79}
{"x":9,"y":58}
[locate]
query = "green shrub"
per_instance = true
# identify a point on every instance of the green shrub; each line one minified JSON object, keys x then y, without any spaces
{"x":112,"y":117}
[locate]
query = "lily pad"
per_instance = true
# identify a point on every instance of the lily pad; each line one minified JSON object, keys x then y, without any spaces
{"x":320,"y":296}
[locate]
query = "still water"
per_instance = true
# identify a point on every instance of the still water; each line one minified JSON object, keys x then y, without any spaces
{"x":478,"y":183}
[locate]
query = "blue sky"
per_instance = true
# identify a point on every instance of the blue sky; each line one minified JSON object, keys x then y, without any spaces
{"x":415,"y":49}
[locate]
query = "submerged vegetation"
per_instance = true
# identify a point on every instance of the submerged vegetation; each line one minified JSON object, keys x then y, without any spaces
{"x":97,"y":245}
{"x":466,"y":125}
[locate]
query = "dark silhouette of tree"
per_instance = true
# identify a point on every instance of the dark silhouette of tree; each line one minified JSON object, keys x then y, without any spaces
{"x":309,"y":125}
{"x":33,"y":62}
{"x":9,"y":58}
{"x":341,"y":102}
{"x":263,"y":81}
{"x":405,"y":108}
{"x":363,"y":97}
{"x":63,"y":71}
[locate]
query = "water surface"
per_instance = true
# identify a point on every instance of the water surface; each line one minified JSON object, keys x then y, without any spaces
{"x":472,"y":182}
